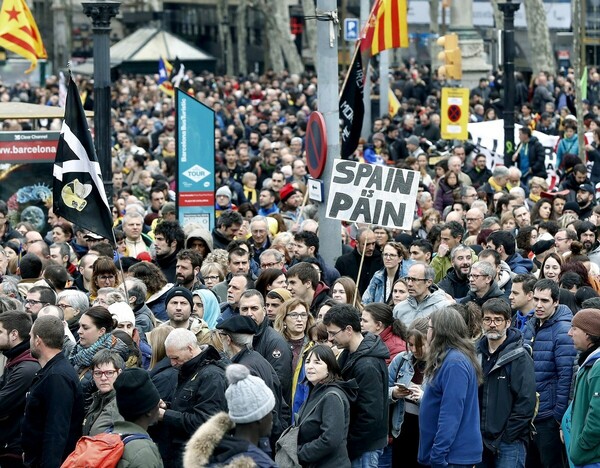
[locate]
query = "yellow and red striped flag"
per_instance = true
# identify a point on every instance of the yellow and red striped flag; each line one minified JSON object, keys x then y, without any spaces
{"x":19,"y":32}
{"x":387,"y":27}
{"x":393,"y":103}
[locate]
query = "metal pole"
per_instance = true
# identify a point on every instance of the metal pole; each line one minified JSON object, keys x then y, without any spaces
{"x":365,"y":10}
{"x":101,"y":14}
{"x":508,"y":56}
{"x":327,"y":97}
{"x":384,"y":81}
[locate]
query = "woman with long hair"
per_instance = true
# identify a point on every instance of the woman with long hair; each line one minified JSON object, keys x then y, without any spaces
{"x":541,"y":211}
{"x":453,"y":376}
{"x":406,"y":381}
{"x":343,"y":290}
{"x":444,"y":195}
{"x":395,"y":265}
{"x":399,"y":292}
{"x":526,"y":237}
{"x":324,"y":418}
{"x":537,"y":185}
{"x":157,"y":285}
{"x":378,"y":318}
{"x":271,"y":278}
{"x":552,"y":267}
{"x":430,"y":218}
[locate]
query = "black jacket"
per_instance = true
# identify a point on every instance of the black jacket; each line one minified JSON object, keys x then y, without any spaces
{"x":537,"y":158}
{"x":507,"y":396}
{"x":454,"y":286}
{"x":493,"y":292}
{"x":19,"y":372}
{"x":53,"y":414}
{"x":479,"y":178}
{"x":200,"y":394}
{"x":164,"y":378}
{"x":273,"y":347}
{"x":369,"y":416}
{"x":348,"y":265}
{"x":323,"y":422}
{"x":219,"y":240}
{"x":167,"y":264}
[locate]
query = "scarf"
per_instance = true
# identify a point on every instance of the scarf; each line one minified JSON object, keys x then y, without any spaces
{"x":82,"y":357}
{"x":495,"y":185}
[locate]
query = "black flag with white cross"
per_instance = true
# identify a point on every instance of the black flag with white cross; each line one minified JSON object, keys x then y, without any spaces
{"x":78,"y":190}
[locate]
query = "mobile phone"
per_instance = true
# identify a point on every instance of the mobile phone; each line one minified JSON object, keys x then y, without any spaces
{"x":403,"y":385}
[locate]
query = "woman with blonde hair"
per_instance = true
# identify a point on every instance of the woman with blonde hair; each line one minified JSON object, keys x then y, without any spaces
{"x":537,"y":185}
{"x":343,"y":290}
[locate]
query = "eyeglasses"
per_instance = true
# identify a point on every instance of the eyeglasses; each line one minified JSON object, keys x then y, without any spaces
{"x":63,"y":306}
{"x":472,"y":220}
{"x":33,"y":302}
{"x":389,"y":255}
{"x":108,"y":374}
{"x":332,"y":334}
{"x":212,"y":277}
{"x":106,"y":277}
{"x":264,"y":266}
{"x":296,"y":315}
{"x":471,"y":275}
{"x":496,"y":321}
{"x":560,"y":239}
{"x":410,"y":279}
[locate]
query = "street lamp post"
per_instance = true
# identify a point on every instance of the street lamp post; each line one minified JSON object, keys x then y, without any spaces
{"x":508,"y":63}
{"x":101,"y":13}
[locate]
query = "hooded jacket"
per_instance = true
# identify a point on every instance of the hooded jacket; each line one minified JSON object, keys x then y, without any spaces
{"x":369,"y":415}
{"x":493,"y":292}
{"x":200,"y":393}
{"x":320,"y":296}
{"x":19,"y":372}
{"x":102,"y":415}
{"x":199,"y":233}
{"x":410,"y":309}
{"x":553,"y":357}
{"x":323,"y":423}
{"x":518,"y":264}
{"x":507,"y":396}
{"x":585,"y":425}
{"x":454,"y":286}
{"x":212,"y":445}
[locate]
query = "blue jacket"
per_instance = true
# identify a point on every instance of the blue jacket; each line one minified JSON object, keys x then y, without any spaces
{"x":400,"y":370}
{"x":449,"y":415}
{"x":374,"y":292}
{"x":553,"y":358}
{"x":518,"y":264}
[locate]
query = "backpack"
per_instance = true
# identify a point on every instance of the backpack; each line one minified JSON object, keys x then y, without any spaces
{"x":100,"y":451}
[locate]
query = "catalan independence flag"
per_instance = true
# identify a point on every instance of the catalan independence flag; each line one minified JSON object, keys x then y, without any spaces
{"x":387,"y":27}
{"x":164,"y":72}
{"x":19,"y":32}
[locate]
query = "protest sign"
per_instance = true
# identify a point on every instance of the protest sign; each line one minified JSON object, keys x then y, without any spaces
{"x":372,"y":194}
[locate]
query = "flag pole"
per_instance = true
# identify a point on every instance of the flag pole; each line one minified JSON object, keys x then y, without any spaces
{"x":356,"y":51}
{"x":360,"y":267}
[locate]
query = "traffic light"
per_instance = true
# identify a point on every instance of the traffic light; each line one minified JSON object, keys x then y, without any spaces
{"x":451,"y":57}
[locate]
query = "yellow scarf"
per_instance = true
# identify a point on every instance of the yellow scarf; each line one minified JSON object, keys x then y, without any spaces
{"x":495,"y":186}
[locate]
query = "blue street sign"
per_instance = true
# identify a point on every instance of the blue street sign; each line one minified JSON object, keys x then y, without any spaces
{"x":351,"y":29}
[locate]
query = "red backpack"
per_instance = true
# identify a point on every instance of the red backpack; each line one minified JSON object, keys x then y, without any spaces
{"x":100,"y":451}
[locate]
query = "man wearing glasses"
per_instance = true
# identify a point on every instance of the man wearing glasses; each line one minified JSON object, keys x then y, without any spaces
{"x":423,"y":296}
{"x":38,"y":297}
{"x":507,"y":396}
{"x":482,"y":285}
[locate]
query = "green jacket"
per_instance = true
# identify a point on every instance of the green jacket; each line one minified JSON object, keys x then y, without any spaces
{"x":139,"y":453}
{"x":441,"y":265}
{"x":584,"y":448}
{"x":102,"y":415}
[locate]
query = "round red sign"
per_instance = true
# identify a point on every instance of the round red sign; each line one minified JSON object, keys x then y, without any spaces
{"x":316,"y":144}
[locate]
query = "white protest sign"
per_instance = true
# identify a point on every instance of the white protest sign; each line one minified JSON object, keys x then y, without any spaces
{"x":373,"y":194}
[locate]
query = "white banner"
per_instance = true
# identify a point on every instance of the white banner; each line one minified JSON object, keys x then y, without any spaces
{"x":372,"y":194}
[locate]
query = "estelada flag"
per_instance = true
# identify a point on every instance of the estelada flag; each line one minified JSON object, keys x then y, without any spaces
{"x":386,"y":28}
{"x":19,"y":32}
{"x":393,"y":103}
{"x":78,"y":190}
{"x":164,"y":73}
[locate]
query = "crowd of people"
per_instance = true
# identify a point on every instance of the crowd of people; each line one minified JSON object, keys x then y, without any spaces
{"x":469,"y":340}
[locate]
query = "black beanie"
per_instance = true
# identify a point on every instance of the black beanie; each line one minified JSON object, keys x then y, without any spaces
{"x":182,"y":292}
{"x":136,"y":394}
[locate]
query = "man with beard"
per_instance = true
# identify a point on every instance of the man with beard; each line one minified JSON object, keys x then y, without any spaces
{"x":19,"y":372}
{"x":180,"y":303}
{"x":187,"y":269}
{"x":482,"y":284}
{"x":586,"y":233}
{"x":456,"y":282}
{"x":238,"y":283}
{"x":521,"y":299}
{"x":585,"y":200}
{"x":507,"y":396}
{"x":54,"y":404}
{"x":168,"y":240}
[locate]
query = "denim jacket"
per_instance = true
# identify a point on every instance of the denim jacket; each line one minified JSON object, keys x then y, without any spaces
{"x":400,"y":370}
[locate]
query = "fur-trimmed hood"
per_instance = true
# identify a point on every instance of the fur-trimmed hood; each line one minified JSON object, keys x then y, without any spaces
{"x":201,"y":447}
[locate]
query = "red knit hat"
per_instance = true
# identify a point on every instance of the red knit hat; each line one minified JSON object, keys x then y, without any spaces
{"x":287,"y":191}
{"x":588,"y":321}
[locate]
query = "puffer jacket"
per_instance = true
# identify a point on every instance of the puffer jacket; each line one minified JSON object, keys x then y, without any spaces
{"x":409,"y":309}
{"x":493,"y":293}
{"x":553,"y":357}
{"x":518,"y":264}
{"x":376,"y":290}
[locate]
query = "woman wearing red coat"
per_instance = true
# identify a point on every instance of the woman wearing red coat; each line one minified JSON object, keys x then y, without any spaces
{"x":378,"y":319}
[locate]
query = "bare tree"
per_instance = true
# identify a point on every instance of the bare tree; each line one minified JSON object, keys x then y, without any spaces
{"x":310,"y":26}
{"x":542,"y":58}
{"x":241,"y":24}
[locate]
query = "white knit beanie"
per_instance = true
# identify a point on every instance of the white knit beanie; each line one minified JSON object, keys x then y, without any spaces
{"x":248,"y":397}
{"x":122,"y":312}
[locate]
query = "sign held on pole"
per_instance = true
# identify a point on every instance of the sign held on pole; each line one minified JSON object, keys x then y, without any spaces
{"x":373,"y":194}
{"x":455,"y":113}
